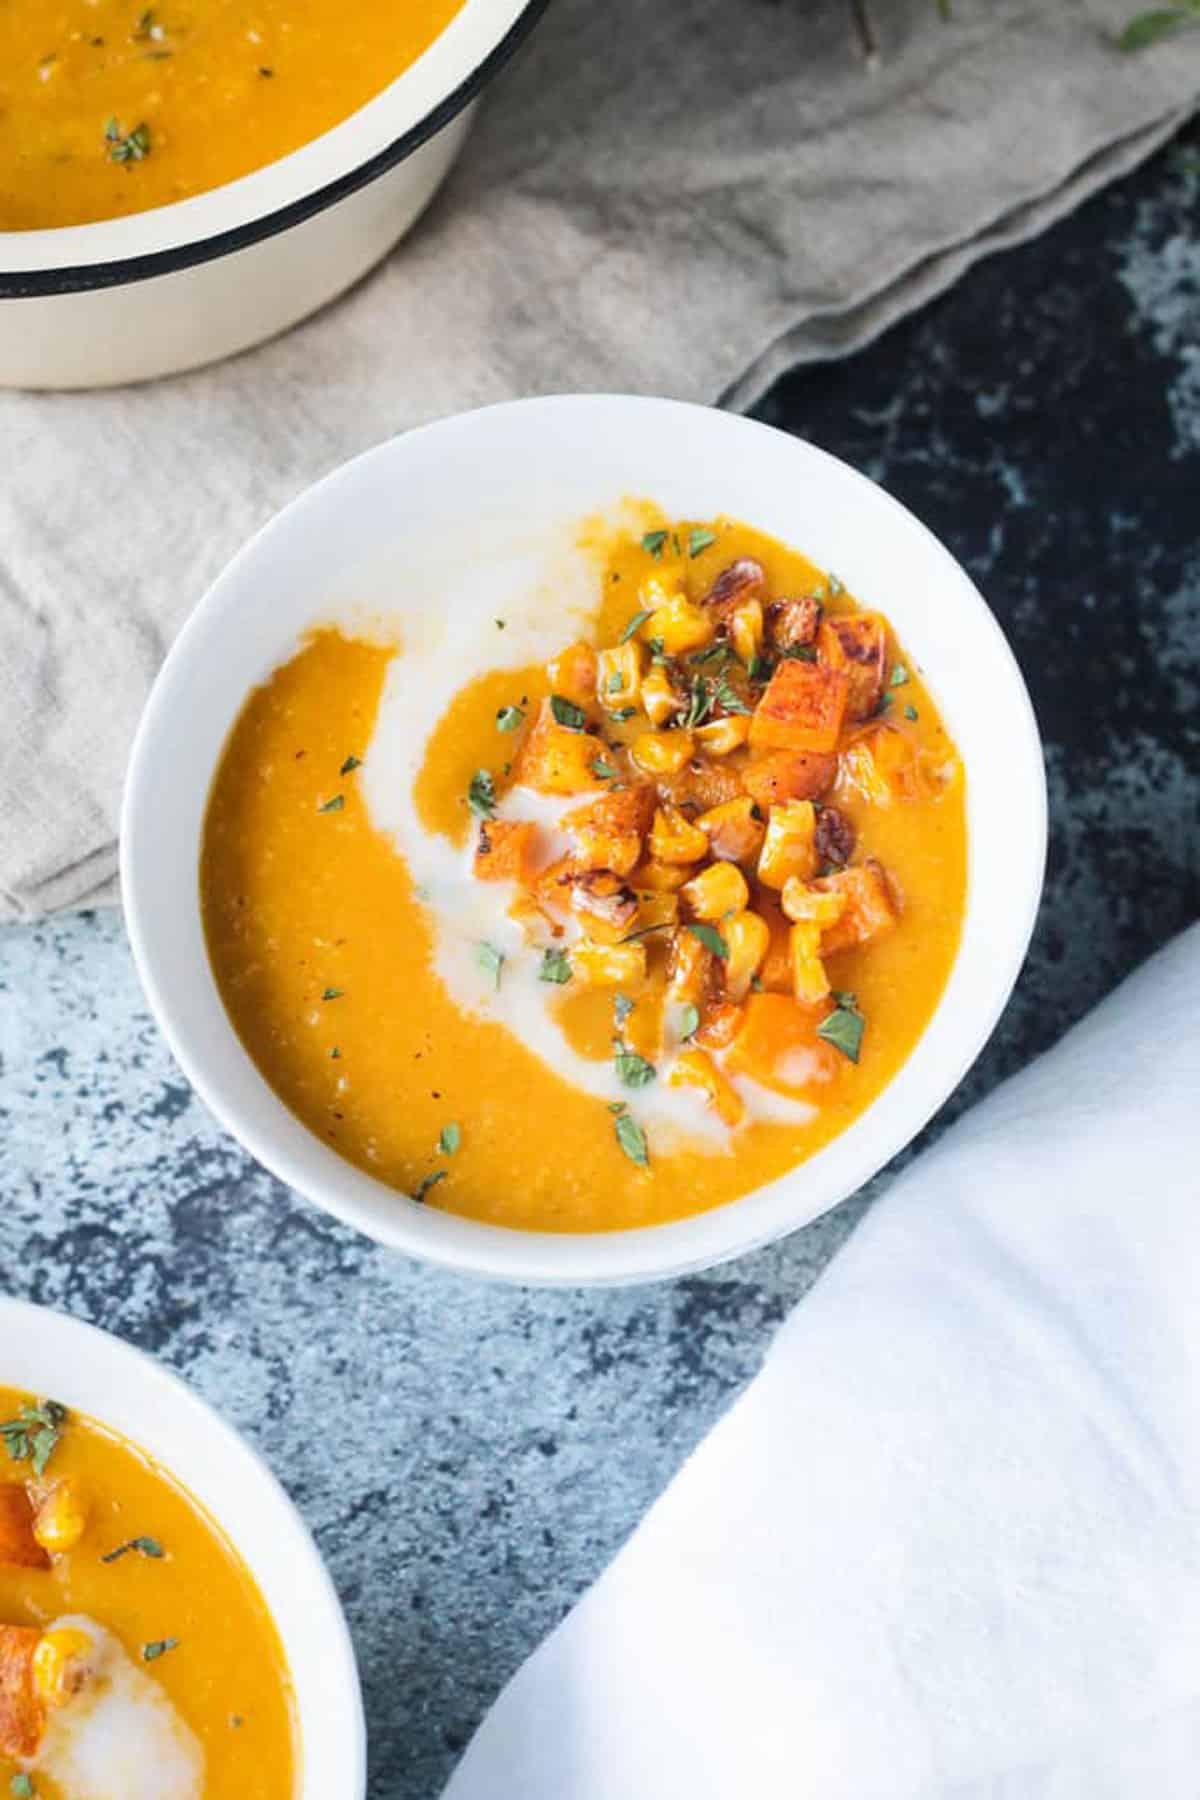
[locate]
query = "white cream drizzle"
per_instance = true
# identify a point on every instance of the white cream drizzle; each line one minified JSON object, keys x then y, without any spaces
{"x":545,"y":595}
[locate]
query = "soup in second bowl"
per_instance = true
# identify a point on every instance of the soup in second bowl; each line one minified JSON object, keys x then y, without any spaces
{"x":580,"y":932}
{"x":110,"y":107}
{"x":137,"y":1658}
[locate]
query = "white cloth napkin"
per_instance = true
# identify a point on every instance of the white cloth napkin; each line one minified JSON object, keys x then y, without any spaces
{"x":663,"y":196}
{"x":948,"y":1542}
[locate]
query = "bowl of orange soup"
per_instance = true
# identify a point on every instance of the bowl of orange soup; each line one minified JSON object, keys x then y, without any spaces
{"x":584,"y":839}
{"x":180,"y":181}
{"x":167,"y":1628}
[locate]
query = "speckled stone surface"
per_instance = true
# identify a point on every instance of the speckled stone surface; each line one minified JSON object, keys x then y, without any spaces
{"x":469,"y":1457}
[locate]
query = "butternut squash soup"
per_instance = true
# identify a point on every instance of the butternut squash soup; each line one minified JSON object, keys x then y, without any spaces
{"x":137,"y":1658}
{"x":595,"y":934}
{"x":109,"y":107}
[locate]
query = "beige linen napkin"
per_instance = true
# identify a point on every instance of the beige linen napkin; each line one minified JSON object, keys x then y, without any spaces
{"x":677,"y":196}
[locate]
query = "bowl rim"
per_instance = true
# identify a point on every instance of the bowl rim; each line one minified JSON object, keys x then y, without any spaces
{"x":95,"y":1359}
{"x":87,"y":266}
{"x":575,"y":1259}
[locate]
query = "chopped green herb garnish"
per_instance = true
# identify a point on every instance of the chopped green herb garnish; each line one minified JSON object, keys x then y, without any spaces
{"x":632,"y":1140}
{"x":633,"y":1071}
{"x":899,"y":675}
{"x":689,"y":1021}
{"x":567,"y":713}
{"x":332,"y":994}
{"x":760,"y":668}
{"x":490,"y":960}
{"x":699,"y":539}
{"x":481,"y":794}
{"x":500,"y":624}
{"x":127,"y":147}
{"x":509,"y":718}
{"x":711,"y":938}
{"x":335,"y":1053}
{"x":799,"y":653}
{"x":834,"y":586}
{"x":910,"y":712}
{"x":450,"y":1139}
{"x":622,"y":713}
{"x":884,"y":703}
{"x":21,"y":1786}
{"x":334,"y":805}
{"x":616,"y":682}
{"x":603,"y":771}
{"x":656,"y":646}
{"x":1149,"y":27}
{"x":555,"y":966}
{"x":729,"y":699}
{"x":616,"y":1106}
{"x":351,"y":763}
{"x":423,"y":1186}
{"x":145,"y":1546}
{"x":33,"y":1435}
{"x":634,"y":624}
{"x":844,"y":1027}
{"x":653,"y":542}
{"x":622,"y":1007}
{"x":160,"y":1646}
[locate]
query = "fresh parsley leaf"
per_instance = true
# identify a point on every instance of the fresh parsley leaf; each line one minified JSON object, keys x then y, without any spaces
{"x":844,"y":1027}
{"x":616,"y":1106}
{"x":509,"y":718}
{"x":334,"y":805}
{"x":33,"y":1435}
{"x":145,"y":1546}
{"x":884,"y":703}
{"x":760,"y":668}
{"x":450,"y":1139}
{"x":799,"y":652}
{"x":689,"y":1021}
{"x":351,"y":763}
{"x":332,"y":994}
{"x":656,"y":646}
{"x":633,"y":1071}
{"x":622,"y":713}
{"x":634,"y":624}
{"x":335,"y":1053}
{"x":728,"y":698}
{"x":632,"y":1140}
{"x":427,"y":1181}
{"x":603,"y":771}
{"x":622,"y":1007}
{"x":556,"y":967}
{"x":160,"y":1646}
{"x":699,"y":539}
{"x":481,"y":794}
{"x":21,"y":1786}
{"x":653,"y":542}
{"x":491,"y":961}
{"x":616,"y":682}
{"x":1149,"y":27}
{"x":899,"y":675}
{"x":567,"y":713}
{"x":711,"y":938}
{"x":127,"y":147}
{"x":910,"y":712}
{"x":834,"y":586}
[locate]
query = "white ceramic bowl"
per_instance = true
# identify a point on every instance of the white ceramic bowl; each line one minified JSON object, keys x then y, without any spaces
{"x":126,"y":299}
{"x":48,"y":1354}
{"x":482,"y":482}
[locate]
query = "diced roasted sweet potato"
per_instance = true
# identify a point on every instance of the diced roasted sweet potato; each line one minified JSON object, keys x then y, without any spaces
{"x":700,"y":785}
{"x":792,"y":623}
{"x":556,"y":760}
{"x":608,"y":833}
{"x":22,"y":1716}
{"x":870,"y":911}
{"x":573,"y":675}
{"x":722,"y":1022}
{"x":778,"y":1044}
{"x":802,"y":709}
{"x":505,"y":850}
{"x":19,"y":1547}
{"x":886,"y":764}
{"x":857,"y":643}
{"x":788,"y":775}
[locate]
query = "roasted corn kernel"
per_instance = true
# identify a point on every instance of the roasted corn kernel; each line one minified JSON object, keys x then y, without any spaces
{"x":720,"y":736}
{"x":609,"y":965}
{"x":789,"y":848}
{"x":809,"y":905}
{"x":663,"y":752}
{"x":674,"y":839}
{"x":619,"y":675}
{"x":61,"y":1664}
{"x":747,"y":938}
{"x":659,"y":698}
{"x":680,"y":627}
{"x":746,"y":629}
{"x":61,"y":1518}
{"x":733,"y":832}
{"x":809,"y":980}
{"x":717,"y":890}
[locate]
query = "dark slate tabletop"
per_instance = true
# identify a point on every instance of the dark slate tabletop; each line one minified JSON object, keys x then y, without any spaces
{"x":470,"y":1457}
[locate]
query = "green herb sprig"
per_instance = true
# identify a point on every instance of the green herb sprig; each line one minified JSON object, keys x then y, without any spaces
{"x":34,"y":1434}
